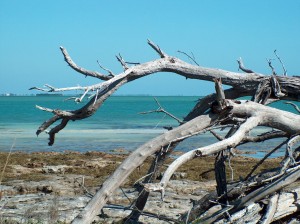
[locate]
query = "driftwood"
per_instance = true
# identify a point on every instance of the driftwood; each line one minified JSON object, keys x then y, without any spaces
{"x":216,"y":110}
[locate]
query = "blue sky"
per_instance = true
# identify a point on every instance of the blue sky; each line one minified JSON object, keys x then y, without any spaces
{"x":217,"y":32}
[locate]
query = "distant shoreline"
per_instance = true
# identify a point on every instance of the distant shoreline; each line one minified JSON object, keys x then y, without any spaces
{"x":68,"y":95}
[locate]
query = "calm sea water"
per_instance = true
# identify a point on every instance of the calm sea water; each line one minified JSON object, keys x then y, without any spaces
{"x":117,"y":124}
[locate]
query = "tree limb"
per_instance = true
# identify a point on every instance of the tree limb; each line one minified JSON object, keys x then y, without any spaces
{"x":242,"y":67}
{"x":265,"y":136}
{"x":241,"y":84}
{"x":232,"y":141}
{"x":198,"y":120}
{"x":136,"y":159}
{"x":258,"y":115}
{"x":83,"y":71}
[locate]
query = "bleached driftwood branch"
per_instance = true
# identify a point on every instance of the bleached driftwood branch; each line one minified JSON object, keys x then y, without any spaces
{"x":212,"y":110}
{"x":258,"y":115}
{"x":242,"y":85}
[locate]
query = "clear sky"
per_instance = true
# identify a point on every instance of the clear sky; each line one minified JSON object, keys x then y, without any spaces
{"x":217,"y":32}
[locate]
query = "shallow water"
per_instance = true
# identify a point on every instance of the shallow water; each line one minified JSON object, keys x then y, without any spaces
{"x":117,"y":124}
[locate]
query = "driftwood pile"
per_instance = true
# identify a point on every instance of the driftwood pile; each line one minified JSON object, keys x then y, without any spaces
{"x":269,"y":196}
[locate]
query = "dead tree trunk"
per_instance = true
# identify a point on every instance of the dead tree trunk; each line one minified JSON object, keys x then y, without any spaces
{"x":212,"y":111}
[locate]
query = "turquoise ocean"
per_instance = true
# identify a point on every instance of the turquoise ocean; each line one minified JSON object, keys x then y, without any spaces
{"x":117,"y":124}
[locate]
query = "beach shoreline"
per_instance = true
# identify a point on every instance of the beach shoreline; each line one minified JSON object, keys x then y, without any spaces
{"x":64,"y":179}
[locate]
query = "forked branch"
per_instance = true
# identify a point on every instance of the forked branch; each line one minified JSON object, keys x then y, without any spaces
{"x":160,"y":109}
{"x":242,"y":85}
{"x":215,"y":109}
{"x":81,"y":70}
{"x":258,"y":115}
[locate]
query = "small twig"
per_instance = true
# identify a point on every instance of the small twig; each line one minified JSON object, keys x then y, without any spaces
{"x":105,"y":69}
{"x":192,"y":58}
{"x":84,"y":188}
{"x":123,"y":63}
{"x":167,"y":149}
{"x":44,"y":109}
{"x":158,"y":123}
{"x":149,"y":214}
{"x":37,"y":88}
{"x":70,"y":98}
{"x":229,"y":165}
{"x":143,"y":177}
{"x":271,"y":66}
{"x":242,"y":67}
{"x":218,"y":203}
{"x":132,"y":63}
{"x":284,"y":70}
{"x":96,"y":96}
{"x":50,"y":88}
{"x":265,"y":157}
{"x":78,"y":100}
{"x":160,"y":109}
{"x":157,"y":49}
{"x":294,"y":105}
{"x":188,"y":216}
{"x":125,"y":195}
{"x":6,"y":162}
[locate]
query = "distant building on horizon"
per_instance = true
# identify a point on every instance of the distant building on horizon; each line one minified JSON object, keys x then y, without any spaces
{"x":49,"y":94}
{"x":8,"y":94}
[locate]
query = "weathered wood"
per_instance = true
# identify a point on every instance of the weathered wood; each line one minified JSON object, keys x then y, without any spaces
{"x":279,"y":206}
{"x":242,"y":84}
{"x":267,"y":190}
{"x":220,"y":174}
{"x":288,"y":203}
{"x":136,"y":159}
{"x":245,"y":114}
{"x":153,"y":172}
{"x":271,"y":209}
{"x":208,"y":150}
